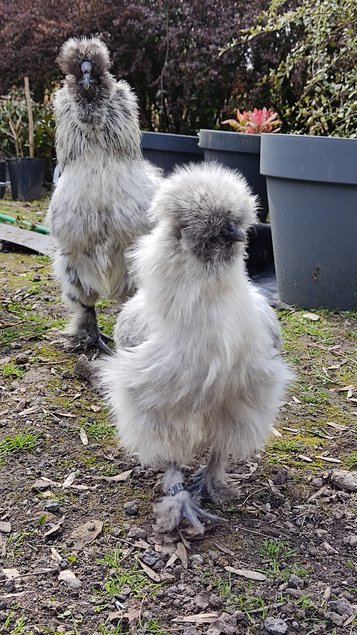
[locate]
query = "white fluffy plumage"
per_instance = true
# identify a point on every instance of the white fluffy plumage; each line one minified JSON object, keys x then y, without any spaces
{"x":198,"y":365}
{"x":100,"y":203}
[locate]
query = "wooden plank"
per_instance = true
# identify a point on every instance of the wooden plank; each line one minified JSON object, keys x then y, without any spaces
{"x":39,"y":243}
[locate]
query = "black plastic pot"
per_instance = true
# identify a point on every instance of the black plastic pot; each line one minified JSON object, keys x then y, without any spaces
{"x":26,"y":176}
{"x":2,"y":178}
{"x":312,"y":190}
{"x":260,"y":249}
{"x":241,"y":152}
{"x":167,"y":150}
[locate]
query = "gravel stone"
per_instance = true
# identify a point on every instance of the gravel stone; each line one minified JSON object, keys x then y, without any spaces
{"x":21,"y":359}
{"x":275,"y":626}
{"x":138,"y":533}
{"x":52,"y":506}
{"x":341,"y":606}
{"x":150,"y":557}
{"x":345,"y":480}
{"x":40,"y":485}
{"x":335,"y":618}
{"x":5,"y":527}
{"x":215,"y":602}
{"x":295,"y":582}
{"x":131,"y":508}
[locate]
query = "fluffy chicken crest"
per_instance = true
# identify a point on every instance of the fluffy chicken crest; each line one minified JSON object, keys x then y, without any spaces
{"x":75,"y":50}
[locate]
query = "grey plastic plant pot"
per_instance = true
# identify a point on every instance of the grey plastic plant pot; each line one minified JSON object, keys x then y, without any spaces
{"x":241,"y":152}
{"x":167,"y":150}
{"x":312,"y":191}
{"x":26,"y":176}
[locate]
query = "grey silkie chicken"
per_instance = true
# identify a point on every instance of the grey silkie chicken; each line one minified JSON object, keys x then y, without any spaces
{"x":101,"y":199}
{"x":198,"y":365}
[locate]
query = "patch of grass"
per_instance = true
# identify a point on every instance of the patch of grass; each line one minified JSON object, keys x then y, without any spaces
{"x":152,"y":627}
{"x":275,"y":555}
{"x":15,"y":541}
{"x":130,"y":576}
{"x":111,"y":630}
{"x":20,"y":442}
{"x":100,"y":430}
{"x":18,"y":628}
{"x":10,"y":369}
{"x":350,"y":460}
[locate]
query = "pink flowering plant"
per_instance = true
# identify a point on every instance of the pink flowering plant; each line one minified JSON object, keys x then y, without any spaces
{"x":255,"y":121}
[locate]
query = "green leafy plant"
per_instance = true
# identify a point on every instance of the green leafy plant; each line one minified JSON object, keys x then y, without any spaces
{"x":314,"y":86}
{"x":14,"y":126}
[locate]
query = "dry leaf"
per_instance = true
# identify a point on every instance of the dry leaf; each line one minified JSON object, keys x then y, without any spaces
{"x":150,"y":572}
{"x":95,"y":408}
{"x":303,"y":457}
{"x":56,"y":556}
{"x":328,"y":459}
{"x":171,"y":560}
{"x":276,"y":432}
{"x":69,"y":480}
{"x":66,"y":414}
{"x":133,"y":614}
{"x":55,"y":529}
{"x":83,"y":436}
{"x":346,"y":388}
{"x":336,"y":426}
{"x":247,"y":573}
{"x":182,"y":554}
{"x":142,"y":544}
{"x":118,"y":478}
{"x":224,"y":549}
{"x":200,"y":618}
{"x":86,"y":533}
{"x":329,"y":548}
{"x":317,"y":494}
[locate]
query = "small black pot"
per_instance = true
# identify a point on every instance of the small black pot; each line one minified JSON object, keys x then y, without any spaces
{"x":2,"y":178}
{"x":167,"y":150}
{"x":26,"y":176}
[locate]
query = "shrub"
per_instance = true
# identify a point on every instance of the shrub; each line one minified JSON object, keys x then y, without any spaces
{"x":314,"y":86}
{"x":14,"y":126}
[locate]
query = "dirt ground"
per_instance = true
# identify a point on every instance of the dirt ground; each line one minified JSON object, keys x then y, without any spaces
{"x":77,"y":549}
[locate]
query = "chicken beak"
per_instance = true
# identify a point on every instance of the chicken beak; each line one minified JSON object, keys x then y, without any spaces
{"x":86,"y":68}
{"x":234,"y":234}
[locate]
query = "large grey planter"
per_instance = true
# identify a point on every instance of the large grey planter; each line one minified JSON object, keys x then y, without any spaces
{"x":312,"y":192}
{"x":167,"y":150}
{"x":241,"y":152}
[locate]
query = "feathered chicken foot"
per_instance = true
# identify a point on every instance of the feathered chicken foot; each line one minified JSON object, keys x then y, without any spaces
{"x":88,"y":334}
{"x":211,"y":483}
{"x":179,"y":505}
